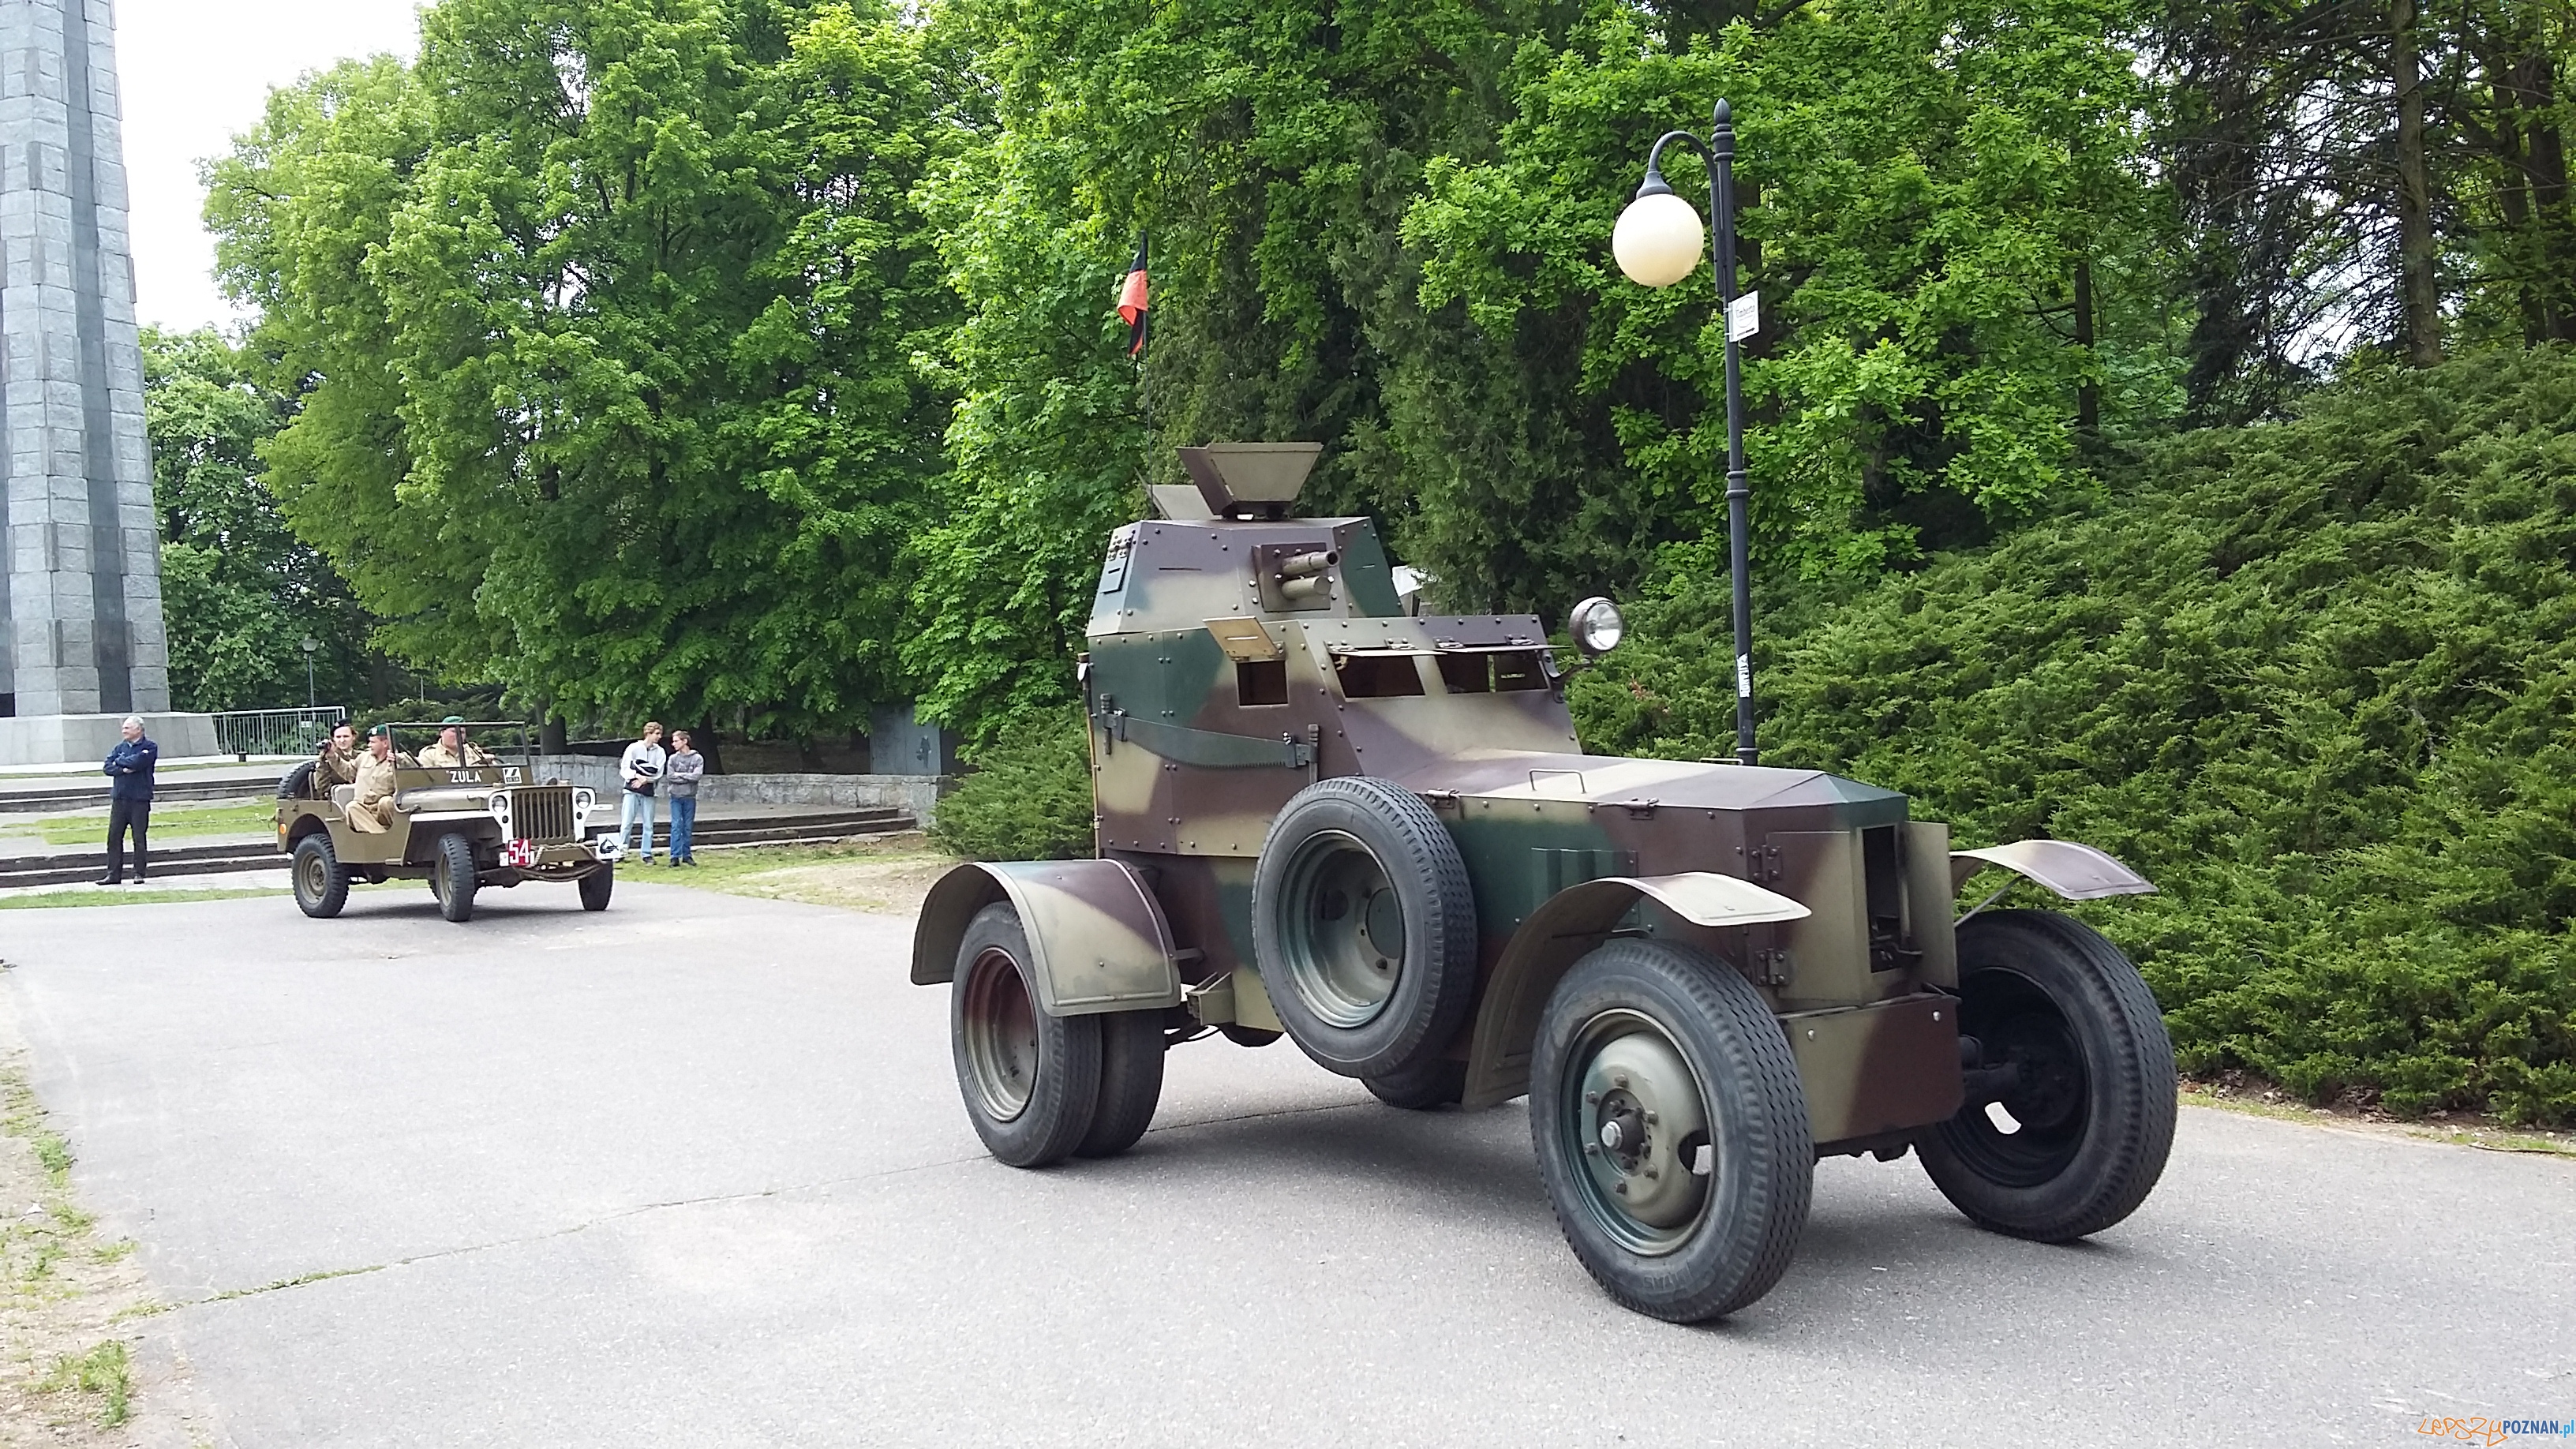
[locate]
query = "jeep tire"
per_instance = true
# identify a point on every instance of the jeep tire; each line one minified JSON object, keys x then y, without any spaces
{"x":321,"y":886}
{"x":451,"y":877}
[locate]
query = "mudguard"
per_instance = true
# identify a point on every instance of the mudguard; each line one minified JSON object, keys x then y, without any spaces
{"x":2074,"y":871}
{"x":1573,"y":921}
{"x":1097,"y":938}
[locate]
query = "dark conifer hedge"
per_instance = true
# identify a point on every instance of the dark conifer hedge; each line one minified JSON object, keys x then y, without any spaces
{"x":2314,"y":678}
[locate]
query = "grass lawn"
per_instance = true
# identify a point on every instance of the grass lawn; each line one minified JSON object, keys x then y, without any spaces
{"x":885,"y":876}
{"x":248,"y":817}
{"x":50,"y":900}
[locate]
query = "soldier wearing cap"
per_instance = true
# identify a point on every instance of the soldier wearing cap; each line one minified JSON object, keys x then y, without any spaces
{"x":372,"y":810}
{"x":452,"y":751}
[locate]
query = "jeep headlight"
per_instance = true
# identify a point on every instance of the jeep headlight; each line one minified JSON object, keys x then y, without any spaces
{"x":1596,"y":626}
{"x":499,"y":806}
{"x":582,"y":801}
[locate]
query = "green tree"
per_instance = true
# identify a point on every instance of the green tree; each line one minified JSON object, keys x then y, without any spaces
{"x":605,"y":321}
{"x":1385,"y":228}
{"x":239,"y":591}
{"x":1954,"y":246}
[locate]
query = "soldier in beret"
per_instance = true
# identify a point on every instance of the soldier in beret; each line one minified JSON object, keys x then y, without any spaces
{"x":373,"y":810}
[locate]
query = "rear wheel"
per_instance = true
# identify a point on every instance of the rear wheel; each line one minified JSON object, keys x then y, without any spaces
{"x":1131,"y":1082}
{"x":451,"y":877}
{"x":2070,"y":1115}
{"x":321,"y":887}
{"x":1671,"y":1129}
{"x":1364,"y":927}
{"x":596,"y":886}
{"x":1031,"y":1081}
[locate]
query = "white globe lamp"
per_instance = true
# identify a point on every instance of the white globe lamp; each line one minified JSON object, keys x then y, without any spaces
{"x":1659,"y":237}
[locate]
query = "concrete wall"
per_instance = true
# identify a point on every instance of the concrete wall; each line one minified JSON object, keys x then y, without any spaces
{"x":80,"y":599}
{"x":915,"y":795}
{"x":85,"y":739}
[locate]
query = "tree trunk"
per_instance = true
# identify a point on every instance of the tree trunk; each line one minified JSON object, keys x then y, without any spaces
{"x":2088,"y":391}
{"x":2419,"y":296}
{"x":2553,"y":220}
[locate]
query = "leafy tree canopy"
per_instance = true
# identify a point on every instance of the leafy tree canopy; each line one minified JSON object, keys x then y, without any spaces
{"x":603,"y":322}
{"x":239,"y":591}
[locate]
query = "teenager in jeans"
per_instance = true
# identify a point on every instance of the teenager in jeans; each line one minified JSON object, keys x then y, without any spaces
{"x":640,"y":770}
{"x":681,"y":776}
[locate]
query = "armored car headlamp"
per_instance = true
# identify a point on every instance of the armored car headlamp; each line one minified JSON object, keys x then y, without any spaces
{"x":1596,"y":626}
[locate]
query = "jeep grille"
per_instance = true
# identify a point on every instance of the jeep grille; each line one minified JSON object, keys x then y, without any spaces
{"x":542,"y":813}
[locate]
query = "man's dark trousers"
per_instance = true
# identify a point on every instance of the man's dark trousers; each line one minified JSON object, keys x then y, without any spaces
{"x":120,"y":815}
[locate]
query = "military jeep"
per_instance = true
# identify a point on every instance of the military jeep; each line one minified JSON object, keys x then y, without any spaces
{"x":490,"y":822}
{"x":1323,"y":815}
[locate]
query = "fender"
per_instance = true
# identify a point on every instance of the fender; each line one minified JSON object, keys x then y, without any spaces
{"x":1097,"y":938}
{"x":2075,"y":871}
{"x":1573,"y":921}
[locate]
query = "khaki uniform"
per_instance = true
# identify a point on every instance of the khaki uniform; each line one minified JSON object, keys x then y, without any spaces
{"x":335,"y":767}
{"x":437,"y":757}
{"x":373,"y":810}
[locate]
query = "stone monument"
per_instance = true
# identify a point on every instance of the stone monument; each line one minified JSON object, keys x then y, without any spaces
{"x":81,"y":641}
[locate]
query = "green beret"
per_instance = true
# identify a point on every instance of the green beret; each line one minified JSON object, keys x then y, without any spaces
{"x":381,"y":731}
{"x":453,"y":719}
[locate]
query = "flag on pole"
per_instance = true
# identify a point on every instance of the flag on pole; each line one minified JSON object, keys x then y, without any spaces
{"x":1131,"y":301}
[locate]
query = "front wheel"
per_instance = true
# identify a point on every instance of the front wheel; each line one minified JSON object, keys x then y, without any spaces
{"x":321,"y":887}
{"x":1671,"y":1129}
{"x":1031,"y":1081}
{"x":595,"y":887}
{"x":451,"y":878}
{"x":2071,"y":1110}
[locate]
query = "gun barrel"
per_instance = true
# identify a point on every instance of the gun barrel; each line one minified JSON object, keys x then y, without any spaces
{"x":1306,"y":565}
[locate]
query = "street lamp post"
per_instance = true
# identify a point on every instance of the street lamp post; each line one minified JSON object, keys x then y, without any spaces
{"x":1657,"y":242}
{"x":310,"y":644}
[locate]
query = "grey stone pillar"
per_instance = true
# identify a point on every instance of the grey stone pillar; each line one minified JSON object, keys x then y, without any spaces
{"x":80,"y":620}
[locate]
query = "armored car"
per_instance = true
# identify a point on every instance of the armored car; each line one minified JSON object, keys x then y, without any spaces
{"x":1325,"y":815}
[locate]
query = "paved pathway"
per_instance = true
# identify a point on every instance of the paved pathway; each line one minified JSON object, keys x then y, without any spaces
{"x":694,"y":1173}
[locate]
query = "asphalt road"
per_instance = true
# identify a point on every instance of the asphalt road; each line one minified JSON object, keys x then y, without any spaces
{"x":694,"y":1173}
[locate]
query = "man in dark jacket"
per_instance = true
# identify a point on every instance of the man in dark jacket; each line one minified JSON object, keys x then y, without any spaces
{"x":129,"y":799}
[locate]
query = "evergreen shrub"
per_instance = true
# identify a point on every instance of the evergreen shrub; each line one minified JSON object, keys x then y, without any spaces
{"x":1028,"y":797}
{"x":2313,"y":678}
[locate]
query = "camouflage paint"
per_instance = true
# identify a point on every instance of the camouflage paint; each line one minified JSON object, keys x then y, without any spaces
{"x":1097,"y":939}
{"x":1234,"y":660}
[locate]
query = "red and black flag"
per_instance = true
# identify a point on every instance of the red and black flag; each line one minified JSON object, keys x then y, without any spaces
{"x":1131,"y":301}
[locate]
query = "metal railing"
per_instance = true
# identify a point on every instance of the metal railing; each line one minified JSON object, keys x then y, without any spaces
{"x":247,"y":732}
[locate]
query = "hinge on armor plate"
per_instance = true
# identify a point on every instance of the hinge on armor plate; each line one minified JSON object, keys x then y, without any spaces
{"x":1771,"y":968}
{"x":1761,"y":863}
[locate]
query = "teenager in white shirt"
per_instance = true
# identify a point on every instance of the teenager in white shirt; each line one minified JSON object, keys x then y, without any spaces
{"x":640,"y":768}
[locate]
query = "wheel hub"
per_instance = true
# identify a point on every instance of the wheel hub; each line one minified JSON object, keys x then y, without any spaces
{"x":1639,"y":1113}
{"x":1001,"y":1036}
{"x":1345,"y":943}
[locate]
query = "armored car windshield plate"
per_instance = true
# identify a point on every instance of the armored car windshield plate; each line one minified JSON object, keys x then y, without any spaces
{"x":1244,"y":640}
